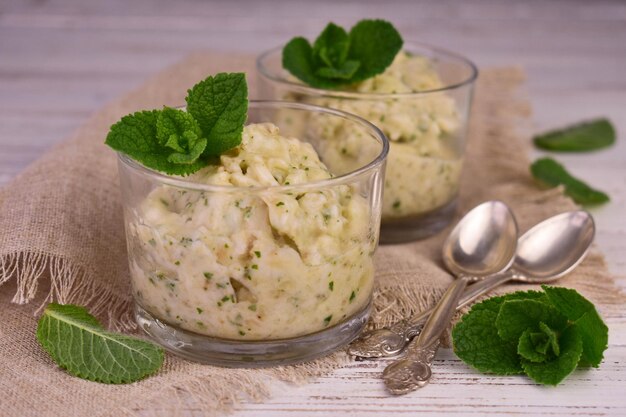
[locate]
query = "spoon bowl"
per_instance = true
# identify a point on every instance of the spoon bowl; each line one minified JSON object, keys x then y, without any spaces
{"x":483,"y":242}
{"x":554,"y":247}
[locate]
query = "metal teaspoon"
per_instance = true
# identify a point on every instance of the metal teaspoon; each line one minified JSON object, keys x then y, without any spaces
{"x":482,"y":243}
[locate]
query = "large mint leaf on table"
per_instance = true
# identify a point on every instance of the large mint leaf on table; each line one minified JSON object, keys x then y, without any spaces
{"x":587,"y":136}
{"x":553,"y":371}
{"x":78,"y":343}
{"x":375,"y":44}
{"x":179,"y":131}
{"x":220,"y":106}
{"x":136,"y":136}
{"x":592,"y":329}
{"x":550,"y":172}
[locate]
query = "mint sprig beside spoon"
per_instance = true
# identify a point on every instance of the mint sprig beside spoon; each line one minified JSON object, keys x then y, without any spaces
{"x":78,"y":343}
{"x":545,"y":335}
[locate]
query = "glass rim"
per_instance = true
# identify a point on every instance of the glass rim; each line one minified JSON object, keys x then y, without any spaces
{"x":473,"y":74}
{"x":184,"y":182}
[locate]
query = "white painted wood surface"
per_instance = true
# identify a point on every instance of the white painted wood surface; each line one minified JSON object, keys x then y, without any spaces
{"x":62,"y":60}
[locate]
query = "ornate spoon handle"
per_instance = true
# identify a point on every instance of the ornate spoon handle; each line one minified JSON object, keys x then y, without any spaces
{"x":412,"y":372}
{"x":392,"y":340}
{"x":387,"y":341}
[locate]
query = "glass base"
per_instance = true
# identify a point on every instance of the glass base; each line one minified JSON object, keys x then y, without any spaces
{"x":250,"y":354}
{"x":407,"y":229}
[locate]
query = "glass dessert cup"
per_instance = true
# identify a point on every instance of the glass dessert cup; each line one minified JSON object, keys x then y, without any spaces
{"x":426,"y":127}
{"x":249,"y":276}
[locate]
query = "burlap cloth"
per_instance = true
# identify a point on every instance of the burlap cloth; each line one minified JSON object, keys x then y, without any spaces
{"x":62,"y":238}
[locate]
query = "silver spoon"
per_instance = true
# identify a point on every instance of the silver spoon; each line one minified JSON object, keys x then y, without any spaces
{"x":548,"y":251}
{"x":482,"y":243}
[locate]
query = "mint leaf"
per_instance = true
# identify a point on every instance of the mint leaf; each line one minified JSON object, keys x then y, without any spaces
{"x":581,"y":137}
{"x":594,"y":333}
{"x":331,"y":46}
{"x":338,"y":58}
{"x":550,"y":172}
{"x":532,"y":346}
{"x":476,"y":339}
{"x":516,"y":316}
{"x":477,"y":343}
{"x":299,"y":60}
{"x":189,"y":156}
{"x":537,"y":346}
{"x":220,"y":106}
{"x":374,"y":43}
{"x":544,"y":334}
{"x":552,"y":337}
{"x":172,"y":124}
{"x":569,"y":302}
{"x":136,"y":136}
{"x":179,"y":131}
{"x":554,"y":371}
{"x":78,"y":343}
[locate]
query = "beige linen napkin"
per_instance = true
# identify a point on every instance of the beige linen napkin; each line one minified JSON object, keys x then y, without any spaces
{"x":62,"y":238}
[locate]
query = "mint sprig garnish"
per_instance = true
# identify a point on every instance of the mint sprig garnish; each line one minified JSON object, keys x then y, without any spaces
{"x":78,"y":343}
{"x":551,"y":173}
{"x":339,"y":58}
{"x":180,"y":142}
{"x":581,"y":137}
{"x":545,"y":335}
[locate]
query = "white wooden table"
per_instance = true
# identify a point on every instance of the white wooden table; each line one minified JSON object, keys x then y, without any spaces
{"x":61,"y":60}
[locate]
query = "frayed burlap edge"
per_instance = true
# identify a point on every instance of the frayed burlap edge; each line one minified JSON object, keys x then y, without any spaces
{"x":68,"y":284}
